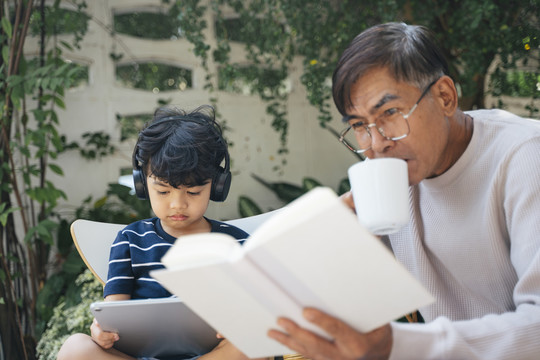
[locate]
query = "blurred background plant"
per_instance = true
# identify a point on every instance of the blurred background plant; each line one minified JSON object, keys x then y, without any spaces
{"x":74,"y":288}
{"x":70,"y":315}
{"x":284,"y":191}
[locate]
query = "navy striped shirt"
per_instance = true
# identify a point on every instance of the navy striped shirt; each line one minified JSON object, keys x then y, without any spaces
{"x":138,"y":249}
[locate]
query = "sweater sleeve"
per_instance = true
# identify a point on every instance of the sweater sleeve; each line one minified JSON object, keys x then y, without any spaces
{"x":513,"y":334}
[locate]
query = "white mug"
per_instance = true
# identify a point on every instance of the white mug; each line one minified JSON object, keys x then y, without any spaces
{"x":380,"y":189}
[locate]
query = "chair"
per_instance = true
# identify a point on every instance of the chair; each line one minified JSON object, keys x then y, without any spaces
{"x":93,"y":240}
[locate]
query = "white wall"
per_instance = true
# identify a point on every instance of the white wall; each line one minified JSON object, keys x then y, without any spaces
{"x":314,"y":151}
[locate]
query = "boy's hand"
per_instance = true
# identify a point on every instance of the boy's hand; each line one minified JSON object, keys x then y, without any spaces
{"x":104,"y":339}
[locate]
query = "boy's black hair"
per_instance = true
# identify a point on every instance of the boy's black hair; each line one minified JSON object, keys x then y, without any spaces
{"x":181,"y":148}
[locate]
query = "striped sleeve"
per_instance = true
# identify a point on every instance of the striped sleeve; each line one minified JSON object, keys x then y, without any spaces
{"x":120,"y":278}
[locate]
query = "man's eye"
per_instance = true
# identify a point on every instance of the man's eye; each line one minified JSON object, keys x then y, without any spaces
{"x":162,"y":192}
{"x":194,"y":192}
{"x":357,"y":125}
{"x":390,"y":112}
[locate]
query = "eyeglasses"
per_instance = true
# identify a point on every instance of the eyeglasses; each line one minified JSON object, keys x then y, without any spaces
{"x":392,"y":124}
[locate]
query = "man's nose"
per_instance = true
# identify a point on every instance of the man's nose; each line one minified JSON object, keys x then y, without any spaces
{"x":379,"y":143}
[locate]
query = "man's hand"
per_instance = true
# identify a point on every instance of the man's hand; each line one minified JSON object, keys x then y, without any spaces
{"x":104,"y":339}
{"x":348,"y":344}
{"x":348,"y":200}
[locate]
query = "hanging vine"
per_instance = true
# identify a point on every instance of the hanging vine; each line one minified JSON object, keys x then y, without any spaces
{"x":275,"y":32}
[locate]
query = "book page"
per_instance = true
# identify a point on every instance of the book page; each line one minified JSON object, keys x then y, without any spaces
{"x":222,"y":295}
{"x":316,"y":201}
{"x":331,"y":262}
{"x":200,"y":250}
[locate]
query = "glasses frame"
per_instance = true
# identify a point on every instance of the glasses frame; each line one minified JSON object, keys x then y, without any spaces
{"x":369,"y":126}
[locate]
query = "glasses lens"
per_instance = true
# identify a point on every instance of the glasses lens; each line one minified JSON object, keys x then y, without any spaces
{"x":393,"y":127}
{"x":357,"y":139}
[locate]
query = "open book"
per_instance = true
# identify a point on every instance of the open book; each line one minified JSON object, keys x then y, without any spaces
{"x":312,"y":253}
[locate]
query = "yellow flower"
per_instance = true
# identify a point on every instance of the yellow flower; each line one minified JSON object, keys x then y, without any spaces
{"x":527,"y":47}
{"x":313,"y":62}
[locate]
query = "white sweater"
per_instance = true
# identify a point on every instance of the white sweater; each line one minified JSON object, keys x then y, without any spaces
{"x":474,"y":242}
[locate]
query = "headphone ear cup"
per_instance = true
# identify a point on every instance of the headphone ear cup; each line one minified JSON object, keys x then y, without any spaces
{"x":139,"y":182}
{"x":221,"y":183}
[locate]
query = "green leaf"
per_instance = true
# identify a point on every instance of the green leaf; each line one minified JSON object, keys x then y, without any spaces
{"x":309,"y":183}
{"x":73,"y":264}
{"x":56,"y":169}
{"x":283,"y":190}
{"x":247,"y":207}
{"x":44,"y":83}
{"x":6,"y":26}
{"x":45,"y":230}
{"x":344,"y":186}
{"x":66,"y":45}
{"x":59,"y":102}
{"x":4,"y":213}
{"x":29,"y":235}
{"x":15,"y":80}
{"x":100,"y":202}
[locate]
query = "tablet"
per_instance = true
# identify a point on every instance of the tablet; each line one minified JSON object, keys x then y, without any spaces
{"x":155,"y":327}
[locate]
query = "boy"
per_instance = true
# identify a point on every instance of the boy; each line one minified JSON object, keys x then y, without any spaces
{"x":176,"y":165}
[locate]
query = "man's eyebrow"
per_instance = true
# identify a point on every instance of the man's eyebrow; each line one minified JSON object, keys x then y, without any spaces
{"x":386,"y":98}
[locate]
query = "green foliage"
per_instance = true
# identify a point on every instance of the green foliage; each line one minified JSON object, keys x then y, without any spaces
{"x":4,"y":212}
{"x":61,"y":283}
{"x":154,"y":76}
{"x":130,"y":125}
{"x":247,"y":207}
{"x":148,"y":25}
{"x":59,"y":20}
{"x":192,"y":23}
{"x":516,"y":83}
{"x":285,"y":191}
{"x":252,"y":80}
{"x":30,"y":143}
{"x":273,"y":33}
{"x":474,"y":33}
{"x":71,"y":291}
{"x":71,"y":315}
{"x":97,"y":145}
{"x":117,"y":206}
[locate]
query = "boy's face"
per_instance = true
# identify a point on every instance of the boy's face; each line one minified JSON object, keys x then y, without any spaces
{"x":180,"y":209}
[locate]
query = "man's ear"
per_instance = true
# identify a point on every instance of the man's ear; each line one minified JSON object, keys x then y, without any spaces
{"x":446,"y":94}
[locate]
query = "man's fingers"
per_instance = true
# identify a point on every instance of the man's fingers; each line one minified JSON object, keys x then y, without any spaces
{"x":329,"y":324}
{"x":302,"y":341}
{"x":348,"y":341}
{"x":347,"y":198}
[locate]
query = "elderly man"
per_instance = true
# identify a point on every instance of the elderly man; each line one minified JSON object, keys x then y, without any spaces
{"x":474,"y":235}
